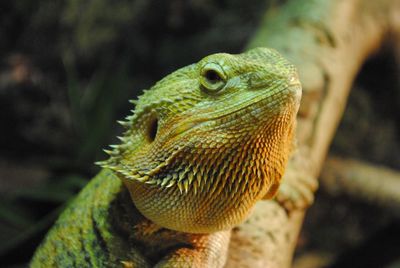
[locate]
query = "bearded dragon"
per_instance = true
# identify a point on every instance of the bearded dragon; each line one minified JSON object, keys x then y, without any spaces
{"x":203,"y":145}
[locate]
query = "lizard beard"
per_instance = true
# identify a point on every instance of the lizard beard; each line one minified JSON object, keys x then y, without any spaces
{"x":213,"y":186}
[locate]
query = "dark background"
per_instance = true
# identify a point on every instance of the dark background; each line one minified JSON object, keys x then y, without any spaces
{"x":68,"y":68}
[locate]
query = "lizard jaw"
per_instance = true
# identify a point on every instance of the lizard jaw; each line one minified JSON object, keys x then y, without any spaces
{"x":294,"y":91}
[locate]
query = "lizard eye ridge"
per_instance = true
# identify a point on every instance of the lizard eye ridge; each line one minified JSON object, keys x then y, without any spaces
{"x":212,"y":77}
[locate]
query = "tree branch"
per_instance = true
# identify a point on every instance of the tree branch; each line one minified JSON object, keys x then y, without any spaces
{"x":363,"y":181}
{"x":328,"y":40}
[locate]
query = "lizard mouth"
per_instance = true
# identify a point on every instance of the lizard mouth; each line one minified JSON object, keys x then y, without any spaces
{"x":293,"y":93}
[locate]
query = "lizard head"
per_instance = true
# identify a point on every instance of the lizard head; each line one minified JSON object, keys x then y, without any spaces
{"x":217,"y":133}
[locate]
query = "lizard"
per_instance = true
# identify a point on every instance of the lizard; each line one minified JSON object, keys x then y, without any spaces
{"x":202,"y":146}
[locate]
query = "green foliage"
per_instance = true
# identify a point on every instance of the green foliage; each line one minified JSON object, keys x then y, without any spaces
{"x":97,"y":24}
{"x":93,"y":108}
{"x":20,"y":223}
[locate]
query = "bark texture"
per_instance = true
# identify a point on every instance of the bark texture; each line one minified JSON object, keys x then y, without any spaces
{"x":328,"y":40}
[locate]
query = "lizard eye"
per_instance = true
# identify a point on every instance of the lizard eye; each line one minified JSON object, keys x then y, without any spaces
{"x":212,"y":77}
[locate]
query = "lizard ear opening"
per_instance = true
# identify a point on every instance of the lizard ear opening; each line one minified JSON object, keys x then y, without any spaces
{"x":152,"y":128}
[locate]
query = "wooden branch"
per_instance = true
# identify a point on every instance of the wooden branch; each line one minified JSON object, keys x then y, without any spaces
{"x":328,"y":40}
{"x":363,"y":181}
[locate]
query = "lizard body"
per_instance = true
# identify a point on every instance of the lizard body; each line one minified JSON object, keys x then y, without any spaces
{"x":203,"y":145}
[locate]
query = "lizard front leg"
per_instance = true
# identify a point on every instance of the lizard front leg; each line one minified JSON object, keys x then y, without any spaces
{"x":192,"y":250}
{"x":298,"y":186}
{"x":200,"y":250}
{"x":163,"y":247}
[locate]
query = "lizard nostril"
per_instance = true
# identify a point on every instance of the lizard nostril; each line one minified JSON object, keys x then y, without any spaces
{"x":152,"y":129}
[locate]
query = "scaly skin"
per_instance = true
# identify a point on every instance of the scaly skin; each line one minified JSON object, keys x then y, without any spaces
{"x":203,"y":145}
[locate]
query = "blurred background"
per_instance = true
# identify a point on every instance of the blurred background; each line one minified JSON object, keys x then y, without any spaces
{"x":68,"y":69}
